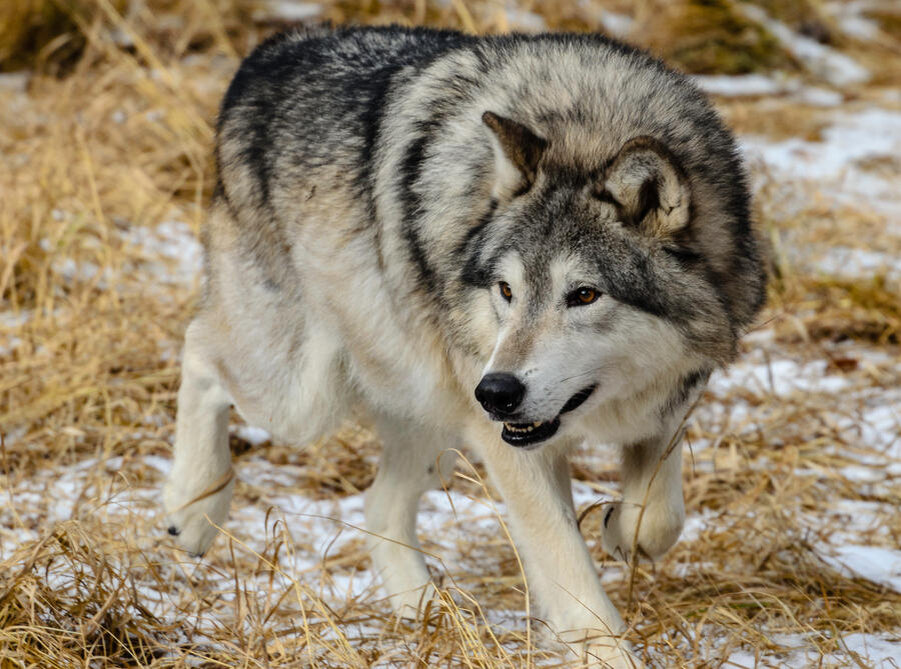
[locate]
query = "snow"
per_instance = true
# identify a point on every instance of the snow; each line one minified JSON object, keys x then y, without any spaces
{"x":874,"y":563}
{"x":758,"y":85}
{"x":617,"y":24}
{"x":850,"y":138}
{"x":520,"y":19}
{"x":880,"y":652}
{"x":799,"y":651}
{"x":823,"y":61}
{"x":287,"y":10}
{"x":174,"y":254}
{"x":815,"y":96}
{"x":781,"y":377}
{"x":847,"y":262}
{"x":836,"y":165}
{"x":12,"y":319}
{"x":849,"y":17}
{"x":252,"y":435}
{"x":739,"y":85}
{"x":16,"y":82}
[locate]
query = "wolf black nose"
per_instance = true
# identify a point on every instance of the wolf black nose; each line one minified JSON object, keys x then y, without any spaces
{"x":500,"y":392}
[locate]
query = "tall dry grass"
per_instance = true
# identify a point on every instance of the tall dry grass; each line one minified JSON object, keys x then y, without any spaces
{"x":108,"y":137}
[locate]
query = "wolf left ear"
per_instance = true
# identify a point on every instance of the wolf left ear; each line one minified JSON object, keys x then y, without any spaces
{"x":517,"y":152}
{"x":649,"y":187}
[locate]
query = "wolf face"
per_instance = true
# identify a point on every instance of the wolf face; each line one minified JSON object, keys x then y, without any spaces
{"x":586,"y":277}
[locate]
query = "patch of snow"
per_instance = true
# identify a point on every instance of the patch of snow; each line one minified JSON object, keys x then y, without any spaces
{"x":798,"y":650}
{"x":757,"y":85}
{"x":448,"y":518}
{"x":17,"y":82}
{"x":884,"y":425}
{"x":880,"y":652}
{"x":741,"y":659}
{"x":816,"y":96}
{"x":780,"y":377}
{"x":585,"y":495}
{"x":85,"y":271}
{"x":11,"y":319}
{"x":850,"y":19}
{"x":697,"y":523}
{"x":877,"y":427}
{"x":617,"y":24}
{"x":252,"y":435}
{"x":524,"y":20}
{"x":287,"y":10}
{"x":821,"y":60}
{"x":852,"y":137}
{"x":738,"y":86}
{"x":172,"y":240}
{"x":874,"y":563}
{"x":862,"y":474}
{"x":11,"y":345}
{"x":848,"y":262}
{"x":833,"y":164}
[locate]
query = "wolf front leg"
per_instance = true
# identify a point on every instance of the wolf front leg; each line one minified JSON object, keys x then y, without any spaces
{"x":560,"y":573}
{"x":413,"y":460}
{"x":200,"y":485}
{"x":652,"y":480}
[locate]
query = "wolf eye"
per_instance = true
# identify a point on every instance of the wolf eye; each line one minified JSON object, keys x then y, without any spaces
{"x":582,"y":296}
{"x":505,"y":290}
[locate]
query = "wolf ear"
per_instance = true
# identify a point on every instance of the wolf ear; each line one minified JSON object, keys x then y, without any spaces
{"x":517,"y":152}
{"x":649,"y":187}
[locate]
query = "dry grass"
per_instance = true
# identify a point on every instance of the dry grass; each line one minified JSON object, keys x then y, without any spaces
{"x":98,"y":163}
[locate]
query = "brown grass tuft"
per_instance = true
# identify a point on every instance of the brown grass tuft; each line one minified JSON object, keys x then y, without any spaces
{"x":707,"y":36}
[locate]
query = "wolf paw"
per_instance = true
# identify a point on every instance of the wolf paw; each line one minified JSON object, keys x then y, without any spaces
{"x":617,"y":655}
{"x":659,"y":530}
{"x":410,"y":604}
{"x":597,"y":651}
{"x":192,"y":510}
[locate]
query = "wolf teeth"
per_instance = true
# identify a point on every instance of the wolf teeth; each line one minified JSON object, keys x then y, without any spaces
{"x":528,"y":428}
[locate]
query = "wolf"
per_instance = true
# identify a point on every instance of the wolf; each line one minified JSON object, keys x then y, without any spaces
{"x":512,"y":244}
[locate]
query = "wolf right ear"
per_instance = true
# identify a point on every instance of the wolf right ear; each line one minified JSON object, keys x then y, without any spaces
{"x":649,"y":187}
{"x":517,"y":152}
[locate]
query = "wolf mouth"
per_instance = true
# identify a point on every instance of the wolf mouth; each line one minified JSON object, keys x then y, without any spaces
{"x":527,"y":434}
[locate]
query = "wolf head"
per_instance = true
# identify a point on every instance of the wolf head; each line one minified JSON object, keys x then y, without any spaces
{"x":594,"y":282}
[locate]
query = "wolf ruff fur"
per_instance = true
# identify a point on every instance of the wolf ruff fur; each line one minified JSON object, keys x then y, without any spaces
{"x":404,"y":217}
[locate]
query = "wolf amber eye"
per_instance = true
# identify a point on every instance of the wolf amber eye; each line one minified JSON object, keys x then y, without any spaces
{"x":505,"y":290}
{"x":582,"y":296}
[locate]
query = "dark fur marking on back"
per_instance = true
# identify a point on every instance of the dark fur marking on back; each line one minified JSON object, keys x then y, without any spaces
{"x":409,"y":174}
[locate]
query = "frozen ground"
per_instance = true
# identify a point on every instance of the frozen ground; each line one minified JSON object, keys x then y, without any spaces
{"x":853,"y":164}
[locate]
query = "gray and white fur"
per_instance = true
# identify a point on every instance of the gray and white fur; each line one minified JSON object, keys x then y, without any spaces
{"x":512,"y":243}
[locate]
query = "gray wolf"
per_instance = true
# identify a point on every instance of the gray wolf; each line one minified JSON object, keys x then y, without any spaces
{"x":512,"y":243}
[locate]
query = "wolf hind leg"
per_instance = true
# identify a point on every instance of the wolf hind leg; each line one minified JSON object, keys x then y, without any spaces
{"x":413,"y":460}
{"x":652,"y":478}
{"x":199,"y":489}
